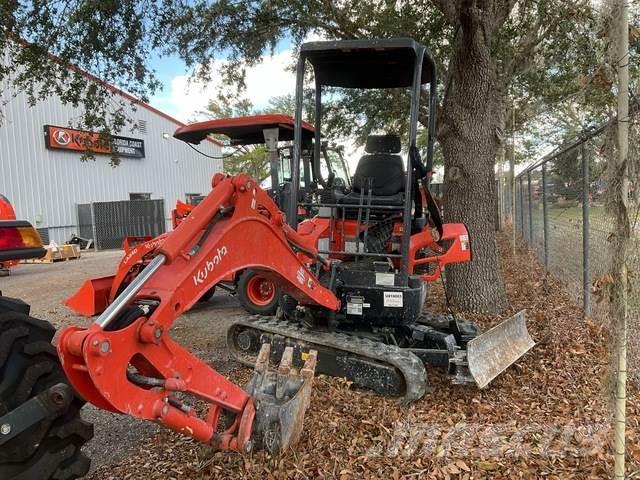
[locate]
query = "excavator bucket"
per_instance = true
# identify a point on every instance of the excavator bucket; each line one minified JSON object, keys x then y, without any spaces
{"x":489,"y":354}
{"x":92,"y":297}
{"x":281,"y":399}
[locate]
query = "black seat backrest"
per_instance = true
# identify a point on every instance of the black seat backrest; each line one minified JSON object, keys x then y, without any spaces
{"x":382,"y":165}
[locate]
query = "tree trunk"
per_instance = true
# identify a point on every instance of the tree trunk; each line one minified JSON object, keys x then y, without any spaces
{"x":467,"y":133}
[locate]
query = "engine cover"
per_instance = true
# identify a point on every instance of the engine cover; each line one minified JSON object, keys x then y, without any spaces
{"x":378,"y":298}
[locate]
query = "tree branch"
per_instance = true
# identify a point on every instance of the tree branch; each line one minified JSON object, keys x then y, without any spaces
{"x":449,"y":9}
{"x":504,"y":10}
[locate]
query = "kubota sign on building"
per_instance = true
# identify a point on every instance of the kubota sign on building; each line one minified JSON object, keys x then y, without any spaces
{"x":63,"y":138}
{"x":47,"y":182}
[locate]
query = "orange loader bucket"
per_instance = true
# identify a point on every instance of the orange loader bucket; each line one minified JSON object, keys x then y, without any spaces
{"x":92,"y":297}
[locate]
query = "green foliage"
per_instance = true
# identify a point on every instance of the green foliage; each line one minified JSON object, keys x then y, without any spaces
{"x":554,"y":104}
{"x":45,"y":42}
{"x":252,"y":161}
{"x":544,"y":53}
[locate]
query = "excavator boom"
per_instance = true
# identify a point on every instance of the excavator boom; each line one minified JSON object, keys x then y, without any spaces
{"x":126,"y":362}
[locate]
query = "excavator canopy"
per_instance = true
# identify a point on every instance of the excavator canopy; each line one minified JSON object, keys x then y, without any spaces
{"x":243,"y":130}
{"x":379,"y":63}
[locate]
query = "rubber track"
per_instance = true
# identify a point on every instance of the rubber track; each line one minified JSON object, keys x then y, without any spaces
{"x":408,"y":364}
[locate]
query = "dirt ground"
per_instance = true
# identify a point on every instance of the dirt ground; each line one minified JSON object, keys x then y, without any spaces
{"x":546,"y":417}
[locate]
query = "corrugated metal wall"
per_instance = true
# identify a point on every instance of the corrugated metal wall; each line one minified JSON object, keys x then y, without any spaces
{"x":45,"y":185}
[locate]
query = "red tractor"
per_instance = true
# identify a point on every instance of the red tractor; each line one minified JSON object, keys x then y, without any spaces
{"x":6,"y":213}
{"x":41,"y":432}
{"x":255,"y":293}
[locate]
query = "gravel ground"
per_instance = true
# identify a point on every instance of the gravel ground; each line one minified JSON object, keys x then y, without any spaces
{"x":46,"y":286}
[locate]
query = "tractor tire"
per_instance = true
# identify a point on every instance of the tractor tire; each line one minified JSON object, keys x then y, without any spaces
{"x":256,"y":294}
{"x":29,"y":365}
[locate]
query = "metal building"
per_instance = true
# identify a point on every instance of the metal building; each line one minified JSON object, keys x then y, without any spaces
{"x":43,"y":177}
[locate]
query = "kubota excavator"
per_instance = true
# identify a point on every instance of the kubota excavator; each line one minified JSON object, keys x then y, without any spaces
{"x":377,"y":245}
{"x":354,"y":280}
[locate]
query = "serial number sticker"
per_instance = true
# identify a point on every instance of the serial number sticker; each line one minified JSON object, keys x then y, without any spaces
{"x":350,"y":247}
{"x":354,"y":309}
{"x":464,"y":242}
{"x":387,"y":279}
{"x":393,"y":299}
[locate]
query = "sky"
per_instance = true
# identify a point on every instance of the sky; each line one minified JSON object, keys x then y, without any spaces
{"x":183,"y":99}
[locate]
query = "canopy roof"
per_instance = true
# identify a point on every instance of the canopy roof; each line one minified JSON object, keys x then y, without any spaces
{"x":377,"y":63}
{"x":244,"y":130}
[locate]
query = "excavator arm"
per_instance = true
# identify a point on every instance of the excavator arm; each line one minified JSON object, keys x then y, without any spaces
{"x":126,"y":362}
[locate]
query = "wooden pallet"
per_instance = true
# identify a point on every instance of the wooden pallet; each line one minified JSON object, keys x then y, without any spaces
{"x":57,"y":253}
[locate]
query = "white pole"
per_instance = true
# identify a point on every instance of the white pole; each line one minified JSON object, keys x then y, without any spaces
{"x":620,"y":296}
{"x":512,"y":170}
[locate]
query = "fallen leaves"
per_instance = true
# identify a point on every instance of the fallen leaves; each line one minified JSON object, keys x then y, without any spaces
{"x":545,"y":417}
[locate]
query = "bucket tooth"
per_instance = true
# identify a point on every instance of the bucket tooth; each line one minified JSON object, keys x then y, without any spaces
{"x":492,"y":352}
{"x":281,"y":399}
{"x":262,"y":362}
{"x":309,"y":367}
{"x":284,"y":370}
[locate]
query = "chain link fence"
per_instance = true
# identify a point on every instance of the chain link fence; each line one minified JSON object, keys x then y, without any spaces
{"x":560,"y":213}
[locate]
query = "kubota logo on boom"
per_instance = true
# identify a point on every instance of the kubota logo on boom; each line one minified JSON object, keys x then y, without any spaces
{"x":209,"y":265}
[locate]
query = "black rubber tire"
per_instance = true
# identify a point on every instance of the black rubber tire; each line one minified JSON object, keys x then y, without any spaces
{"x":245,"y":301}
{"x":51,"y":449}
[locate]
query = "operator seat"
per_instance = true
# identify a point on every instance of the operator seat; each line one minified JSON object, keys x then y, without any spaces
{"x":383,"y":169}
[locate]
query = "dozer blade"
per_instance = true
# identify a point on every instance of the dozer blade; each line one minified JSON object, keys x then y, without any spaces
{"x":92,"y":297}
{"x":281,"y":399}
{"x":489,"y":354}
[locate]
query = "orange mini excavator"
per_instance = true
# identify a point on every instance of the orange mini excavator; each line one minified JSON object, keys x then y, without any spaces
{"x":353,"y":281}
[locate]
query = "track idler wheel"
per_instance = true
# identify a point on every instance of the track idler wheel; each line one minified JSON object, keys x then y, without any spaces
{"x":281,"y":399}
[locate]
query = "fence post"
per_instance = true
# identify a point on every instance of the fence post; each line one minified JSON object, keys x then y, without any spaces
{"x":586,"y":284}
{"x":545,"y":220}
{"x":521,"y":209}
{"x":96,"y":245}
{"x":530,"y":210}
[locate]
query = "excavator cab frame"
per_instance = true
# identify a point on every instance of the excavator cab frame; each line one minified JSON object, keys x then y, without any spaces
{"x":399,"y":63}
